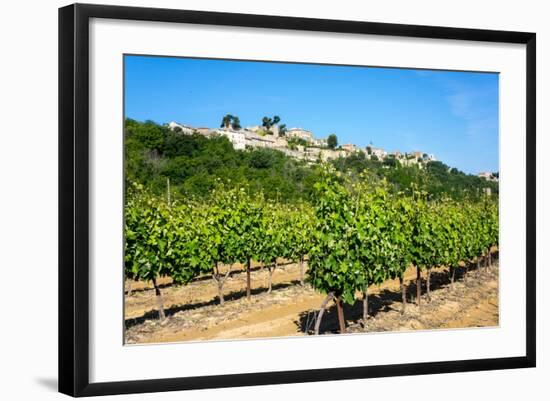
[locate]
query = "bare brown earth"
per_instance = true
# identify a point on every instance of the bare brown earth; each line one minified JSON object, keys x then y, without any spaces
{"x":193,"y":312}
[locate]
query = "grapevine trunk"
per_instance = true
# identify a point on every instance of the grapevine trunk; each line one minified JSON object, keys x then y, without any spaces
{"x":452,"y":273}
{"x":248,"y":279}
{"x":159,"y":299}
{"x":220,"y":280}
{"x":329,"y":296}
{"x":429,"y":273}
{"x":365,"y":306}
{"x":302,"y":271}
{"x":403,"y":295}
{"x":340,"y":310}
{"x":271,"y":270}
{"x":418,"y":286}
{"x":129,"y":288}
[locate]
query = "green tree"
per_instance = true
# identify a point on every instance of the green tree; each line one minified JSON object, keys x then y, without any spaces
{"x":236,"y":123}
{"x":226,"y":121}
{"x":231,"y":121}
{"x":332,"y":141}
{"x":267,"y":123}
{"x":282,"y":130}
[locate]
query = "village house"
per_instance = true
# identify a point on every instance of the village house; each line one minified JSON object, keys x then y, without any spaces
{"x":203,"y":131}
{"x":430,"y":157}
{"x":257,"y":137}
{"x":184,"y":129}
{"x":350,"y":147}
{"x":300,"y":133}
{"x":487,"y":176}
{"x":320,"y":142}
{"x":331,"y":154}
{"x":312,"y":154}
{"x":255,"y":140}
{"x":378,"y":152}
{"x":299,"y":153}
{"x":254,"y":128}
{"x":410,"y":161}
{"x":397,"y":154}
{"x":237,"y":138}
{"x":274,"y":129}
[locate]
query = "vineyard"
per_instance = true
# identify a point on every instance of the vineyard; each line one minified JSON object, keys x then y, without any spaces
{"x":351,"y":235}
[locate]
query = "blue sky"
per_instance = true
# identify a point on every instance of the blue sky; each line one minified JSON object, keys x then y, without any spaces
{"x":453,"y":115}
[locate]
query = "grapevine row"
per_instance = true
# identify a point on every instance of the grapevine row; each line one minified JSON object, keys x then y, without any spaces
{"x":352,"y":236}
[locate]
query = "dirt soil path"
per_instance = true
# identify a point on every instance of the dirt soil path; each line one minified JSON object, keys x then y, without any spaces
{"x":193,"y":313}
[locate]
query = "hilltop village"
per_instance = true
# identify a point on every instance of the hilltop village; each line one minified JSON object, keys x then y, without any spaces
{"x":299,"y":143}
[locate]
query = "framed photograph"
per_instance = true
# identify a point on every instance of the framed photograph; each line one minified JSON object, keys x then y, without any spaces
{"x":252,"y":199}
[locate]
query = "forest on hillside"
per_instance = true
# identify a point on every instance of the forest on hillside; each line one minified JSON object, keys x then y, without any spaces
{"x":192,"y":164}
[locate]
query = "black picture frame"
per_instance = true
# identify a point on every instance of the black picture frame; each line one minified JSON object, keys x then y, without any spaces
{"x":74,"y":198}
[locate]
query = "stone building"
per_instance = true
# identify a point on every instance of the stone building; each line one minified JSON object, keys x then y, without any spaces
{"x":320,"y":142}
{"x":350,"y":147}
{"x":255,"y":140}
{"x":184,"y":129}
{"x":237,"y":138}
{"x":300,"y":133}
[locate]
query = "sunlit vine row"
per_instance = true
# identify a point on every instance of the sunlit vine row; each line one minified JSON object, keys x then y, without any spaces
{"x":351,"y":236}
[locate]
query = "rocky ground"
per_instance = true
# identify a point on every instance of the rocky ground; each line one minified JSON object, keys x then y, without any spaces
{"x":193,"y":313}
{"x":467,"y":303}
